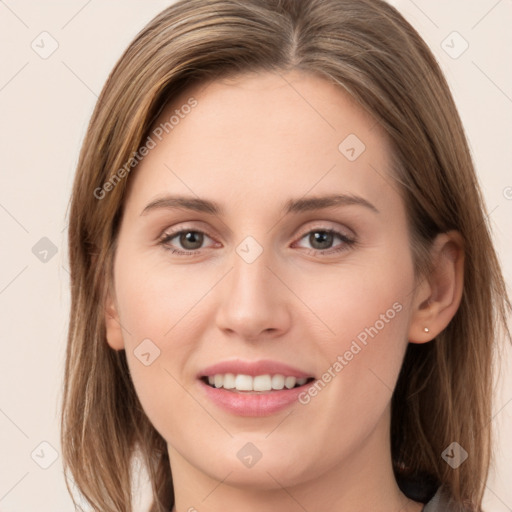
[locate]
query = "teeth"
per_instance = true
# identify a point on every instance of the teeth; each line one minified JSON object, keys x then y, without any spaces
{"x":262,"y":383}
{"x":289,"y":382}
{"x":229,"y":381}
{"x":242,"y":382}
{"x":278,"y":382}
{"x":218,"y":380}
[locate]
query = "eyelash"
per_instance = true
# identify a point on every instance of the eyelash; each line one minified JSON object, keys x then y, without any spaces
{"x":347,"y":242}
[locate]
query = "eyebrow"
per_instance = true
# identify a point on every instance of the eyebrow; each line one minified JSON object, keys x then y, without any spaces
{"x":291,"y":206}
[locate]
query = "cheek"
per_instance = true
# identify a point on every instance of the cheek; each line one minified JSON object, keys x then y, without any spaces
{"x":158,"y":311}
{"x":367,"y":310}
{"x":363,"y":300}
{"x":156,"y":298}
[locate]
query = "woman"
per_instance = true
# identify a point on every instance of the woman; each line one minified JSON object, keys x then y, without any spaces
{"x":284,"y":290}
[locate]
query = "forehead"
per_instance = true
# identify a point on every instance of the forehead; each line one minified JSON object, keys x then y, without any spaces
{"x":258,"y":135}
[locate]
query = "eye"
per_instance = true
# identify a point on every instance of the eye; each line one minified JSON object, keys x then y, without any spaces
{"x":190,"y":240}
{"x":321,"y":241}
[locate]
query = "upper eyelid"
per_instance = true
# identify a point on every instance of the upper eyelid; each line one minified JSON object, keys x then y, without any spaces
{"x":171,"y":234}
{"x":320,"y":225}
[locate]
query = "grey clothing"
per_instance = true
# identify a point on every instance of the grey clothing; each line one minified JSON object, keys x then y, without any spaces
{"x":440,"y":502}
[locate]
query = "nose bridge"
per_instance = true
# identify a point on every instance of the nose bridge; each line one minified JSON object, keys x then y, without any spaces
{"x":250,"y":275}
{"x":251,"y":301}
{"x":251,"y":278}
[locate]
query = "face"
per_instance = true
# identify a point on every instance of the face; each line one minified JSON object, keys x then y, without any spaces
{"x":285,"y":264}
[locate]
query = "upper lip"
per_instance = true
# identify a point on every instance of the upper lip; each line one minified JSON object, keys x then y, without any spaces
{"x":253,"y":368}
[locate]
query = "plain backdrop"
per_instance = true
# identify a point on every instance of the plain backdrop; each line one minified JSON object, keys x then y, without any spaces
{"x":45,"y":104}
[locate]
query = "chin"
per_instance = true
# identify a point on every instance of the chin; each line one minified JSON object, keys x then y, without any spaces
{"x":253,"y":462}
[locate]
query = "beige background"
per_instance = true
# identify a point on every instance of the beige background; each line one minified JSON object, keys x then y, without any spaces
{"x":45,"y":104}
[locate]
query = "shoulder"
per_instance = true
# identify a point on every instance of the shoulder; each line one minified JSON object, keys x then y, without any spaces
{"x":442,"y":502}
{"x":436,"y":497}
{"x":438,"y":502}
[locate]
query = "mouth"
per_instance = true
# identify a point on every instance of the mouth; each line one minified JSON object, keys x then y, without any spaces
{"x":253,"y":388}
{"x":257,"y":384}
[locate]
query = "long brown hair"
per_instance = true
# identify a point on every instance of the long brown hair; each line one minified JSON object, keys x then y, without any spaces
{"x":366,"y":47}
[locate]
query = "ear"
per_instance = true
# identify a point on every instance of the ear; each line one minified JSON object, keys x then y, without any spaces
{"x":438,"y":296}
{"x":112,"y":324}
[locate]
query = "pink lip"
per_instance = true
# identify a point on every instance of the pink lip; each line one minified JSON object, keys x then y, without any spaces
{"x":243,"y":403}
{"x":252,"y":404}
{"x":253,"y":368}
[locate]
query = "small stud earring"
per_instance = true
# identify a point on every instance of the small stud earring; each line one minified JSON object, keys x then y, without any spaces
{"x":426,"y":329}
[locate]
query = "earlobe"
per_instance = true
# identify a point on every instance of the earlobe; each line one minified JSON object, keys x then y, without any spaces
{"x":438,"y":296}
{"x":112,"y":324}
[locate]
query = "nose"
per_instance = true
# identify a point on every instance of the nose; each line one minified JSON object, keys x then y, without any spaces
{"x":253,"y":302}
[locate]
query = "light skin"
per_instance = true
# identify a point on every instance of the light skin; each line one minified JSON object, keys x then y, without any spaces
{"x":252,"y":143}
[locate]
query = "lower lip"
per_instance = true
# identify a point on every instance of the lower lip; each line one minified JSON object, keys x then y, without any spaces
{"x":253,"y":404}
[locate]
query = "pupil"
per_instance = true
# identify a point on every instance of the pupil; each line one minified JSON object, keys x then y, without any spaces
{"x":191,"y":237}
